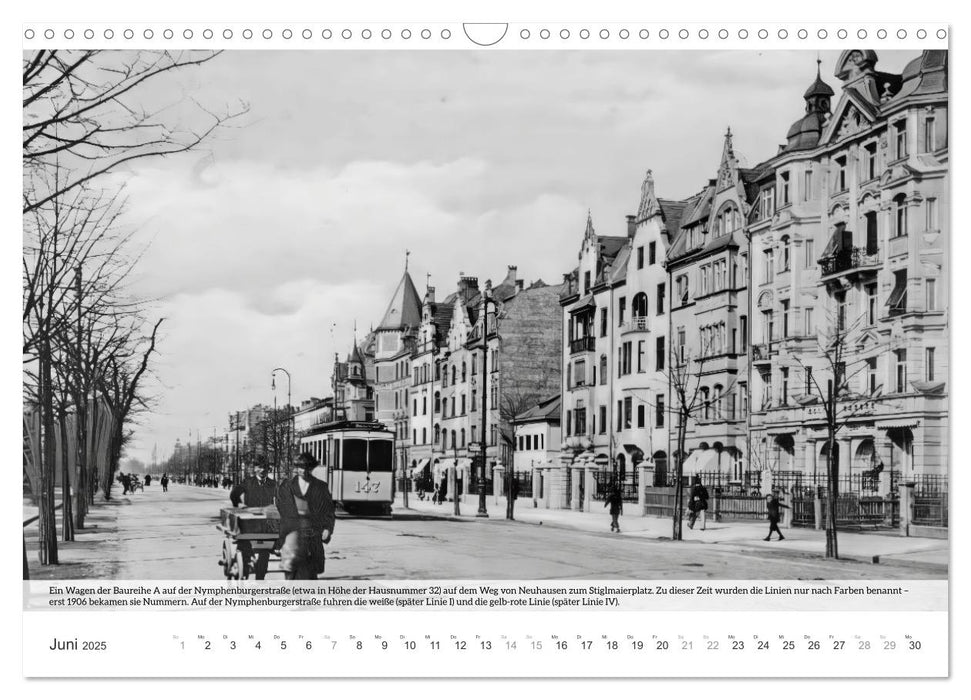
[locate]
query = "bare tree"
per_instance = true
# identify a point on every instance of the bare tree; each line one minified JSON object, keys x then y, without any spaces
{"x":832,"y":390}
{"x":92,"y":112}
{"x":512,"y":402}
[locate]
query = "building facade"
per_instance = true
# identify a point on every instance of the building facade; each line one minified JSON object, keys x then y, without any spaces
{"x":850,"y":277}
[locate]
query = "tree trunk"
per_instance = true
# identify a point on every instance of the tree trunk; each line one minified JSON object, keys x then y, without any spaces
{"x":677,"y":525}
{"x":67,"y":514}
{"x":91,"y":450}
{"x":81,"y":491}
{"x":114,"y":456}
{"x":47,"y":524}
{"x":832,"y":548}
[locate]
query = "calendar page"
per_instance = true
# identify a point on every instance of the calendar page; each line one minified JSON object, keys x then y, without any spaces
{"x":368,"y":346}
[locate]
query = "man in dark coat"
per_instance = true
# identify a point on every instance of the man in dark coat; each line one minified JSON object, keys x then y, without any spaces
{"x":616,"y":503}
{"x":773,"y":505}
{"x":698,"y":504}
{"x":256,"y":492}
{"x":306,"y":520}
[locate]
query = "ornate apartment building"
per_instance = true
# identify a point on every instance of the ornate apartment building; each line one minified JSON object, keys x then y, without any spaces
{"x":849,"y":243}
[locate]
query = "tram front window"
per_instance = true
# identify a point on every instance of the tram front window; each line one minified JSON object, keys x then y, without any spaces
{"x":355,"y":454}
{"x":381,"y":458}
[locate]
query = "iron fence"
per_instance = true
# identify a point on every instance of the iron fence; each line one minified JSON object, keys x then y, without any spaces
{"x":628,"y":485}
{"x":524,"y":480}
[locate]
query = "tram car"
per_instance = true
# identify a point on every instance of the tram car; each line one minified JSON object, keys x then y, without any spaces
{"x":356,"y":459}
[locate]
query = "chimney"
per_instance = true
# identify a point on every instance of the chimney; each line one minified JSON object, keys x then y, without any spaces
{"x":712,"y":183}
{"x":510,"y":273}
{"x":430,"y":295}
{"x":519,"y":285}
{"x":631,"y":226}
{"x":468,"y":287}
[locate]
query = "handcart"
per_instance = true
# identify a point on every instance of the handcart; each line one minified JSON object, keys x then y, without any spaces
{"x":248,"y":531}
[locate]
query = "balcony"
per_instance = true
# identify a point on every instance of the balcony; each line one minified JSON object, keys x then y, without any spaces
{"x":579,"y":345}
{"x":635,"y":325}
{"x":762,"y":352}
{"x":850,"y":260}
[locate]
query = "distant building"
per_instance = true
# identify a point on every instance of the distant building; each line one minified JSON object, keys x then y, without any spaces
{"x":537,"y":435}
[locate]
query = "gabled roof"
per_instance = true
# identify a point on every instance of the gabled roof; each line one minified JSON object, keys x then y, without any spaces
{"x":404,"y":310}
{"x":546,"y":410}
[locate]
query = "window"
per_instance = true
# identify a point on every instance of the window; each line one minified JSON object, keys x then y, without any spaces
{"x":872,"y":234}
{"x":901,"y":370}
{"x":783,"y":189}
{"x":784,"y":399}
{"x":603,"y":420}
{"x":681,"y":343}
{"x":621,"y":310}
{"x":705,"y":403}
{"x":898,"y":297}
{"x":682,"y":286}
{"x":659,"y":411}
{"x":659,"y":354}
{"x":522,"y":441}
{"x":414,"y":408}
{"x":660,"y":298}
{"x":628,"y":411}
{"x":586,"y":282}
{"x":705,"y":275}
{"x":579,"y":373}
{"x":638,"y":307}
{"x":931,"y":291}
{"x":603,"y":369}
{"x":785,"y":253}
{"x":808,"y":374}
{"x":871,"y":304}
{"x":930,"y":210}
{"x":809,"y":328}
{"x":640,"y":415}
{"x":626,"y":352}
{"x":930,"y":133}
{"x":651,"y":253}
{"x":766,"y":198}
{"x":870,"y":161}
{"x":768,"y":326}
{"x":463,"y":404}
{"x":807,"y":185}
{"x":640,"y":257}
{"x":839,"y":185}
{"x":785,"y":318}
{"x":769,"y":265}
{"x":840,"y":298}
{"x":743,"y":323}
{"x":743,"y":395}
{"x":929,"y":363}
{"x":716,"y":402}
{"x":641,"y":364}
{"x":900,"y":215}
{"x":809,"y":248}
{"x":462,"y":433}
{"x":603,"y":322}
{"x":580,"y":420}
{"x":438,"y":404}
{"x":900,"y":138}
{"x":464,"y":372}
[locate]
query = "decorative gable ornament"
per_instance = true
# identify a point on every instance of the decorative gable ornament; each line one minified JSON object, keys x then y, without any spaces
{"x":649,"y":205}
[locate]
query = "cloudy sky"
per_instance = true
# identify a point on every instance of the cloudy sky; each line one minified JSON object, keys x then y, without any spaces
{"x":267,"y":245}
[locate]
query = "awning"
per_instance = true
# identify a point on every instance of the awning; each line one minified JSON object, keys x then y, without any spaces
{"x":897,"y":423}
{"x":583,"y":304}
{"x":422,"y":463}
{"x":703,"y":460}
{"x":835,"y":241}
{"x":782,"y":430}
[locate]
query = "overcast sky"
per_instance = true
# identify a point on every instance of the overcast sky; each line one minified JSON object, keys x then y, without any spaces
{"x":267,"y":245}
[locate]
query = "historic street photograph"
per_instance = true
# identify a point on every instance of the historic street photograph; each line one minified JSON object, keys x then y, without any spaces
{"x":396,"y":314}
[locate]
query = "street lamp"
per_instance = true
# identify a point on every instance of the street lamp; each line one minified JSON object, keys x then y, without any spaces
{"x":289,"y":412}
{"x":483,"y":511}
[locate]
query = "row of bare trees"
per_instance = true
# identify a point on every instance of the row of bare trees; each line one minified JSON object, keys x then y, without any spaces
{"x":88,"y":339}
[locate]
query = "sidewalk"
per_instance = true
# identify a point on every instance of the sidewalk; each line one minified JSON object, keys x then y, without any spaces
{"x":875,"y":547}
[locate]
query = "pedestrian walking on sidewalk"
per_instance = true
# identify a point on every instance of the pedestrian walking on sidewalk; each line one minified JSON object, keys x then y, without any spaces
{"x":616,"y":503}
{"x":165,"y":482}
{"x":773,"y":505}
{"x":698,"y":504}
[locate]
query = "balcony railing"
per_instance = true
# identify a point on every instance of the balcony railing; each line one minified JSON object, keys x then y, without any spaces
{"x":849,"y":259}
{"x":587,"y":344}
{"x":637,"y":323}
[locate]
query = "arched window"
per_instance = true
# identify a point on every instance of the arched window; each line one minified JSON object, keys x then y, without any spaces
{"x":462,"y":433}
{"x":454,"y":443}
{"x":438,"y":405}
{"x":438,"y":433}
{"x":463,"y":371}
{"x":717,"y":402}
{"x":705,"y":404}
{"x":424,"y":436}
{"x":639,"y":307}
{"x":603,"y":369}
{"x":784,"y":245}
{"x":453,"y":374}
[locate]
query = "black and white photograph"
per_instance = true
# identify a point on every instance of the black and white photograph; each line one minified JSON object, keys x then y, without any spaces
{"x":486,"y":315}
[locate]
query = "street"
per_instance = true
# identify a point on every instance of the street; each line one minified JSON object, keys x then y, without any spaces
{"x":156,"y":535}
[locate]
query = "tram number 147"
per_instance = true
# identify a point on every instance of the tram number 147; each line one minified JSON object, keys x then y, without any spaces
{"x":367,"y":487}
